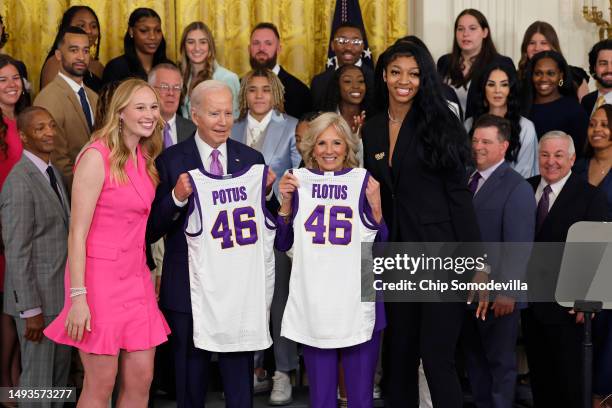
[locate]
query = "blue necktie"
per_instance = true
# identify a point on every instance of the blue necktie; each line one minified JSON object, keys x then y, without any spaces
{"x":85,"y":107}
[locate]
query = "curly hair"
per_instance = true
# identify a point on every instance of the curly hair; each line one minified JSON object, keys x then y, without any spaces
{"x":333,"y":98}
{"x":527,"y":88}
{"x":278,"y":91}
{"x":513,"y":107}
{"x":317,"y":126}
{"x":443,"y":137}
{"x":185,"y":63}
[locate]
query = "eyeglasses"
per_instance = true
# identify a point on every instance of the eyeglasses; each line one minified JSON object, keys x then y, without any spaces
{"x":165,"y":88}
{"x":345,"y":41}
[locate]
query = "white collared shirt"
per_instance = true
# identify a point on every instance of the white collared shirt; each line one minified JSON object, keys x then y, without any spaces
{"x":253,"y":125}
{"x":76,"y":87}
{"x":607,"y":100}
{"x":555,"y":187}
{"x":276,"y":69}
{"x":205,"y":152}
{"x":485,"y":174}
{"x":173,"y":131}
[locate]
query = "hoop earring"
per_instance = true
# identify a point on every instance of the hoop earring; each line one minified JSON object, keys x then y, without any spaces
{"x":560,"y":82}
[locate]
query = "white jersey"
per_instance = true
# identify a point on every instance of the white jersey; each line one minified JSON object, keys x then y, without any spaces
{"x":324,"y":308}
{"x":230,"y":239}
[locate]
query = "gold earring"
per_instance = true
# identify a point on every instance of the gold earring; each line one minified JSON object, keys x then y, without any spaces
{"x":560,"y":82}
{"x":120,"y":127}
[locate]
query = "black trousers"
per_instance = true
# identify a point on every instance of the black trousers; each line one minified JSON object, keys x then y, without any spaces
{"x":427,"y":331}
{"x":554,"y":358}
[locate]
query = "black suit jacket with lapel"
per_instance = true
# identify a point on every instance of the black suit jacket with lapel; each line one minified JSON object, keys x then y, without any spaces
{"x":185,"y":128}
{"x":577,"y":201}
{"x":419,"y":204}
{"x":297,"y":95}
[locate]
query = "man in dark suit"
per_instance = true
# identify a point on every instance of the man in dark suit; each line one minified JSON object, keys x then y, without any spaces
{"x":505,"y":209}
{"x":552,"y":337}
{"x":35,"y":214}
{"x":600,"y":66}
{"x":347,"y":44}
{"x":168,"y":81}
{"x":211,"y":110}
{"x":264,"y":47}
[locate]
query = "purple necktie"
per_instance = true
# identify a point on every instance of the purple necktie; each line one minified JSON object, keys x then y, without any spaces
{"x":543,"y":205}
{"x":167,"y":136}
{"x":215,"y":164}
{"x":473,"y":184}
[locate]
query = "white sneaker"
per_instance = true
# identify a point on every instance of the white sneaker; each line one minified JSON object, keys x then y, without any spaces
{"x":281,"y":389}
{"x":377,"y":393}
{"x":262,"y":384}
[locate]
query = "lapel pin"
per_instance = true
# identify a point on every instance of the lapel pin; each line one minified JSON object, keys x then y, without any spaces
{"x":379,"y":156}
{"x":238,"y":160}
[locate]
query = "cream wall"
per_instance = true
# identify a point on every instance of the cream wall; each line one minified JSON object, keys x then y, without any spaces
{"x":433,"y":22}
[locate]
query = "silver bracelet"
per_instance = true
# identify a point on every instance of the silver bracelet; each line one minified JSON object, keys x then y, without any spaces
{"x":78,"y":291}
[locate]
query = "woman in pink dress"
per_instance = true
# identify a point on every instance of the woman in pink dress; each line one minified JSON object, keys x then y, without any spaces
{"x":12,"y":101}
{"x":110,"y":312}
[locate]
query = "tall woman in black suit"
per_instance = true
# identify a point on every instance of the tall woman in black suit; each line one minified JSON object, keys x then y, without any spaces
{"x":417,"y":148}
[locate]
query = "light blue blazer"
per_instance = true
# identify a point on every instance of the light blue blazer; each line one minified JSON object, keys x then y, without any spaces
{"x":220,"y":74}
{"x":279,"y":150}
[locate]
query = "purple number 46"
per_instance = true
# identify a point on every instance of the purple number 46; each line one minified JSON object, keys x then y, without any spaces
{"x":245,"y":227}
{"x":339,"y":229}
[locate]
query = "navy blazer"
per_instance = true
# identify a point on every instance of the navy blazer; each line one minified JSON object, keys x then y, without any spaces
{"x":505,"y":208}
{"x":167,"y":219}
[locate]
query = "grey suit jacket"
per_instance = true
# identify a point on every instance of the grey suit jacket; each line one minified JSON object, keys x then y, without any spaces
{"x":184,"y":128}
{"x":279,"y":150}
{"x":35,"y":234}
{"x":505,"y":209}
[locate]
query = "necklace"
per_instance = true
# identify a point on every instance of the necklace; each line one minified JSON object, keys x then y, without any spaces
{"x":603,"y":169}
{"x":391,"y":118}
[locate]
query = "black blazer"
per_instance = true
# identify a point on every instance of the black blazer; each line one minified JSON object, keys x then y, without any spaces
{"x":320,"y":83}
{"x":297,"y":95}
{"x":578,"y":201}
{"x":588,"y":102}
{"x":472,"y":96}
{"x":168,"y":219}
{"x":418,"y":204}
{"x":184,"y":128}
{"x":121,"y":68}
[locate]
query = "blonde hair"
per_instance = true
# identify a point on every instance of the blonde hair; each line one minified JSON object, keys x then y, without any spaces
{"x":278,"y":91}
{"x":110,"y":133}
{"x":317,"y":126}
{"x":185,"y":64}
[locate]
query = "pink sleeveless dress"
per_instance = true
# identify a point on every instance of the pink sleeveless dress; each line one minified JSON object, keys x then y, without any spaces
{"x":120,"y":293}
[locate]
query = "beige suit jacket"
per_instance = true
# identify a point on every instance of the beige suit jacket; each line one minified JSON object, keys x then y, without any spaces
{"x":73,"y":133}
